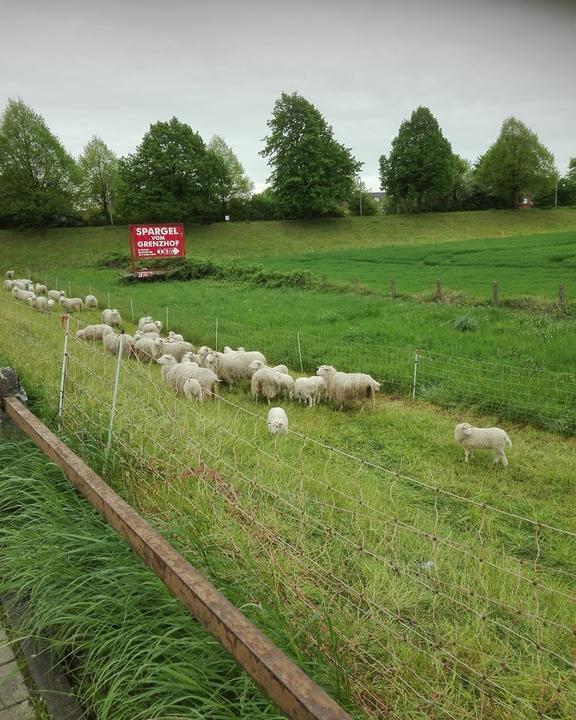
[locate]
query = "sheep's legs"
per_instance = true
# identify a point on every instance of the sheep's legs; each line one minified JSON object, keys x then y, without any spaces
{"x":501,"y":457}
{"x":467,"y":454}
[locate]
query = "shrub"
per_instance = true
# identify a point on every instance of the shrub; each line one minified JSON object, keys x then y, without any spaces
{"x":465,"y":323}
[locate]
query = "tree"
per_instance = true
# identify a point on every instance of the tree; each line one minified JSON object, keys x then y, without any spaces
{"x":38,"y":178}
{"x":361,"y":202}
{"x":567,"y":185}
{"x":312,"y":174}
{"x":463,"y":182}
{"x":238,"y":185}
{"x":99,"y":167}
{"x":419,"y":172}
{"x":170,"y":176}
{"x":517,"y":163}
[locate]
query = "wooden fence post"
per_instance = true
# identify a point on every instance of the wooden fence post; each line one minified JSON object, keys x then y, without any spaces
{"x":495,"y":293}
{"x":439,"y":290}
{"x":356,"y":283}
{"x":393,"y":292}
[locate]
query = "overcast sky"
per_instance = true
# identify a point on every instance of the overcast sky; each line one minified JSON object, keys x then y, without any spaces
{"x":112,"y":68}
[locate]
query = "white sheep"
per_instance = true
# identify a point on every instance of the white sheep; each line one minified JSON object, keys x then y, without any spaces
{"x":175,"y":374}
{"x":193,"y":389}
{"x":174,"y":337}
{"x":233,"y":366}
{"x":203,"y":353}
{"x":265,"y":382}
{"x":144,"y":348}
{"x":93,"y":332}
{"x":20,"y":285}
{"x":71,"y":304}
{"x":144,"y":320}
{"x":9,"y":274}
{"x":277,"y":421}
{"x":177,"y":349}
{"x":281,"y":369}
{"x":309,"y":389}
{"x":152,"y":327}
{"x":111,"y":317}
{"x":286,"y":383}
{"x":56,"y":295}
{"x":40,"y":289}
{"x":343,"y":387}
{"x":41,"y":302}
{"x":8,"y":284}
{"x":23,"y":295}
{"x":111,"y":342}
{"x":474,"y":438}
{"x":91,"y":301}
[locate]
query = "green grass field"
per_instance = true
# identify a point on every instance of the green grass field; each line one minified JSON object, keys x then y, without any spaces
{"x":412,"y":584}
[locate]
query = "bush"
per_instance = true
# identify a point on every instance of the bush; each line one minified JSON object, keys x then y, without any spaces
{"x":466,"y":323}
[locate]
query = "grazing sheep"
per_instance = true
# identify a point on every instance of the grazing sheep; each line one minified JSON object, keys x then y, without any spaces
{"x":20,"y":284}
{"x":175,"y":374}
{"x":56,"y":295}
{"x":144,"y":348}
{"x":309,"y":389}
{"x":8,"y":284}
{"x":473,"y":438}
{"x":93,"y":332}
{"x":203,"y":353}
{"x":111,"y":317}
{"x":9,"y":274}
{"x":265,"y":383}
{"x":234,"y":366}
{"x":177,"y":349}
{"x":20,"y":294}
{"x":71,"y":304}
{"x":111,"y":342}
{"x":41,"y":302}
{"x":40,"y":289}
{"x":152,"y":327}
{"x":342,"y":387}
{"x":144,"y":321}
{"x":193,"y":389}
{"x":277,"y":421}
{"x":281,"y":369}
{"x":174,"y":337}
{"x":286,"y":383}
{"x":91,"y":301}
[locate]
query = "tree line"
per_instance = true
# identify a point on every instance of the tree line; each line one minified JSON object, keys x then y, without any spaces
{"x":174,"y":175}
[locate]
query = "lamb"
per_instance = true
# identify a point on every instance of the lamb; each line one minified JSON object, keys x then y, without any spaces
{"x":177,"y":349}
{"x":193,"y":389}
{"x":41,"y":302}
{"x":91,"y":301}
{"x":342,"y":387}
{"x":8,"y":284}
{"x":265,"y":383}
{"x":71,"y":304}
{"x":151,"y":327}
{"x":176,"y":374}
{"x":111,"y":317}
{"x":93,"y":332}
{"x":40,"y":289}
{"x":20,"y":284}
{"x":203,"y":353}
{"x":144,"y":348}
{"x":309,"y":389}
{"x":174,"y":337}
{"x":144,"y":320}
{"x":20,"y":294}
{"x":111,"y":342}
{"x":56,"y":295}
{"x":277,"y":421}
{"x":286,"y":383}
{"x":9,"y":274}
{"x":473,"y":438}
{"x":234,"y":366}
{"x":281,"y":369}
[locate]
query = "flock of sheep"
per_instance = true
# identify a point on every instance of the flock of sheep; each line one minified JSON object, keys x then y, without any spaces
{"x":196,"y":373}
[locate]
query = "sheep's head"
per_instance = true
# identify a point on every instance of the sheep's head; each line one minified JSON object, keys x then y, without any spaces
{"x":227,"y":350}
{"x":166,"y":360}
{"x":50,"y":303}
{"x":212,"y":360}
{"x":204,"y":351}
{"x":462,"y":431}
{"x":325,"y":371}
{"x":158,"y":343}
{"x":256,"y":365}
{"x":159,"y":324}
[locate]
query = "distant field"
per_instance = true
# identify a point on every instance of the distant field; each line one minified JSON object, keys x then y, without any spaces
{"x":522,"y":265}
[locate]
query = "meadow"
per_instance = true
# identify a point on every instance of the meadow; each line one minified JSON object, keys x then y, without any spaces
{"x":408,"y":583}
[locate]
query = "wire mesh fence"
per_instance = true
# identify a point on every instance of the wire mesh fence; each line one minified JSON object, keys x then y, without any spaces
{"x":422,"y":602}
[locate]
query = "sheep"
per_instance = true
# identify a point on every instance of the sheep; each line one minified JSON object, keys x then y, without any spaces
{"x":193,"y":389}
{"x":277,"y":421}
{"x":41,"y":302}
{"x":227,"y":350}
{"x":177,"y":349}
{"x":286,"y":383}
{"x":203,"y":353}
{"x":144,"y":348}
{"x":175,"y":374}
{"x":342,"y":387}
{"x":9,"y":274}
{"x":474,"y":438}
{"x":56,"y":295}
{"x":91,"y":301}
{"x":71,"y":304}
{"x":152,"y":327}
{"x":174,"y":337}
{"x":265,"y":383}
{"x":111,"y":317}
{"x":40,"y":289}
{"x":309,"y":389}
{"x":111,"y":342}
{"x":281,"y":369}
{"x":20,"y":294}
{"x":8,"y":284}
{"x":93,"y":332}
{"x":235,"y":365}
{"x":144,"y":320}
{"x":20,"y":284}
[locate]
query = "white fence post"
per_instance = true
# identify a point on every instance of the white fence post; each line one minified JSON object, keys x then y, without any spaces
{"x":132,"y":309}
{"x":64,"y":371}
{"x":216,"y":338}
{"x":115,"y":395}
{"x":108,"y":306}
{"x":415,"y":374}
{"x":166,"y":327}
{"x":299,"y":352}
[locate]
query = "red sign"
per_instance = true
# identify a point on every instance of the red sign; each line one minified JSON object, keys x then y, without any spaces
{"x":157,"y":241}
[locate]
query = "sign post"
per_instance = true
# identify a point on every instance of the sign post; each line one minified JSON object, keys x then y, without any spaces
{"x":158,"y":241}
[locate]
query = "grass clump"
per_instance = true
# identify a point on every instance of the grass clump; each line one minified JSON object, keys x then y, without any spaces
{"x":465,"y":323}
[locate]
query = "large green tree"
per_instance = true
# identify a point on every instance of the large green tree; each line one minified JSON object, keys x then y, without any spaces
{"x":234,"y":184}
{"x":171,"y":176}
{"x":312,"y":173}
{"x":517,"y":163}
{"x":567,"y":185}
{"x":38,"y":178}
{"x":418,"y":174}
{"x":99,"y":169}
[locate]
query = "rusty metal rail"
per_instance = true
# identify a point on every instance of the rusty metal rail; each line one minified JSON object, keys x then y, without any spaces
{"x":279,"y":678}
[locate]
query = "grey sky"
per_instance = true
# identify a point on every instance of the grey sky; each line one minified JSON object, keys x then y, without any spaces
{"x":112,"y":68}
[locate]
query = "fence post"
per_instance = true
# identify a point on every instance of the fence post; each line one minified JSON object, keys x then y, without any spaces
{"x":216,"y":340}
{"x":166,"y":327}
{"x":114,"y":395}
{"x":415,"y":374}
{"x":439,"y":290}
{"x":69,"y":289}
{"x":66,"y":319}
{"x":132,"y":309}
{"x":356,"y":283}
{"x":108,"y":299}
{"x":562,"y":296}
{"x":323,"y":279}
{"x":299,"y":352}
{"x":393,"y":287}
{"x":494,"y":293}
